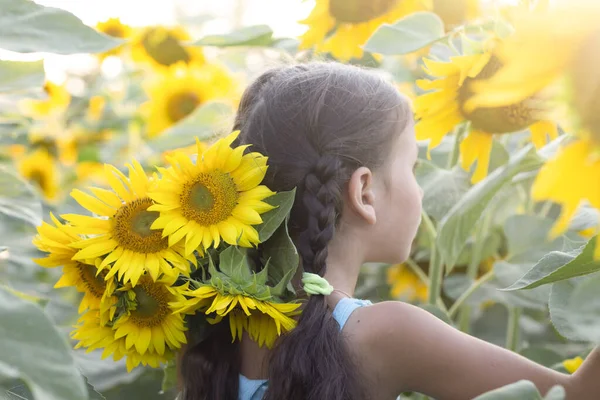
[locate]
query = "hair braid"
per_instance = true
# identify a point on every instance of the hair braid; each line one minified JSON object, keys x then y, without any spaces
{"x":321,"y":197}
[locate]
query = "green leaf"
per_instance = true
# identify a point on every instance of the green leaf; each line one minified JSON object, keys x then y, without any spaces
{"x":456,"y":227}
{"x":442,"y":188}
{"x":18,"y":199}
{"x":542,"y":355}
{"x":283,"y":259}
{"x":575,"y":308}
{"x":283,"y":202}
{"x":170,"y":376}
{"x":407,"y":35}
{"x":257,"y":35}
{"x":27,"y":27}
{"x":527,"y":238}
{"x":204,"y":123}
{"x":33,"y":350}
{"x":92,"y":393}
{"x":18,"y":75}
{"x":557,"y":266}
{"x":556,"y":393}
{"x":522,"y":390}
{"x":233,"y":262}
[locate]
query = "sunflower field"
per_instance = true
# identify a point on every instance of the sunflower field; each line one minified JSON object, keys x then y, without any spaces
{"x":94,"y":167}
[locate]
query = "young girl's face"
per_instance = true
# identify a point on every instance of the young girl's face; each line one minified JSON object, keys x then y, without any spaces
{"x":398,"y":205}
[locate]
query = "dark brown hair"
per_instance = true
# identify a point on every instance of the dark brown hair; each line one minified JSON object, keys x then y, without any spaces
{"x":317,"y":123}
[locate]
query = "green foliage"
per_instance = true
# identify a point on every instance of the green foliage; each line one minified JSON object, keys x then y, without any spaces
{"x":523,"y":390}
{"x":575,"y":308}
{"x":27,"y":27}
{"x":557,"y":266}
{"x":458,"y":224}
{"x":17,"y":75}
{"x":407,"y":35}
{"x":257,"y":35}
{"x":272,"y":219}
{"x":28,"y":334}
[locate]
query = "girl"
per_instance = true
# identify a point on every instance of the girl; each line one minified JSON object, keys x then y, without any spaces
{"x":344,"y":139}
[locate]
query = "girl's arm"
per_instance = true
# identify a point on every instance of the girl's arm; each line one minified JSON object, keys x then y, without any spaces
{"x":415,"y":351}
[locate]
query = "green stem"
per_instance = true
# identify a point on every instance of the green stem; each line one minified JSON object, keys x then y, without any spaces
{"x":512,"y":331}
{"x":425,"y":279}
{"x":472,"y":270}
{"x":455,"y":154}
{"x":472,"y":289}
{"x":436,"y":270}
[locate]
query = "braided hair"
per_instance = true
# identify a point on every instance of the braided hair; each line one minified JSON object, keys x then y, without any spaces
{"x":317,"y":123}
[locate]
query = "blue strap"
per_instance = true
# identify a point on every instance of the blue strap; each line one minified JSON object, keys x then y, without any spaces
{"x":251,"y":389}
{"x":254,"y":389}
{"x":345,"y":307}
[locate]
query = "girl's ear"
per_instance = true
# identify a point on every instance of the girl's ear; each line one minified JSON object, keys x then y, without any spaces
{"x":361,"y":195}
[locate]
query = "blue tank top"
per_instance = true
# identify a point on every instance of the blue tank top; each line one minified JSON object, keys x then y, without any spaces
{"x":254,"y":389}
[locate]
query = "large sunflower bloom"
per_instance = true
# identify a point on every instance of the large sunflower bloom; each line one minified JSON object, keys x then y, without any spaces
{"x":161,"y":47}
{"x":153,"y":326}
{"x":341,"y":27}
{"x":40,"y":168}
{"x":115,"y":28}
{"x":457,"y":12}
{"x":92,"y":334}
{"x":56,"y":240}
{"x":122,"y":234}
{"x":443,"y":108}
{"x":181,"y":89}
{"x":405,"y":283}
{"x":263,"y":320}
{"x":219,"y":196}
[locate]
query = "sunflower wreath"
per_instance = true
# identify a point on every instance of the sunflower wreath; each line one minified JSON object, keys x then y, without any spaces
{"x":201,"y":237}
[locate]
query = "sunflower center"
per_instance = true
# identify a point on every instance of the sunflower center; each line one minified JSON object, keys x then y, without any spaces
{"x":210,"y":198}
{"x":152,"y":300}
{"x":586,"y":84}
{"x":163,"y":47}
{"x":93,"y":284}
{"x":507,"y":119}
{"x":132,"y":227}
{"x":114,"y":31}
{"x":182,"y":105}
{"x":357,"y":11}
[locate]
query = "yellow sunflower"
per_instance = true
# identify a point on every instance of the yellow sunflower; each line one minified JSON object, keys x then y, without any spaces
{"x":56,"y":102}
{"x":441,"y":109}
{"x":405,"y":283}
{"x":263,"y":320}
{"x":569,"y":179}
{"x":160,"y":47}
{"x":115,"y":28}
{"x":573,"y":364}
{"x":219,"y":196}
{"x":341,"y":27}
{"x":122,"y":234}
{"x":181,"y":89}
{"x":153,"y":326}
{"x":556,"y":45}
{"x":56,"y":242}
{"x":96,"y":108}
{"x":40,"y":168}
{"x":92,"y":335}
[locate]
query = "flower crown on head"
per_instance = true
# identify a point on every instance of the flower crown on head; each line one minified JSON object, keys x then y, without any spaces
{"x":201,"y":237}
